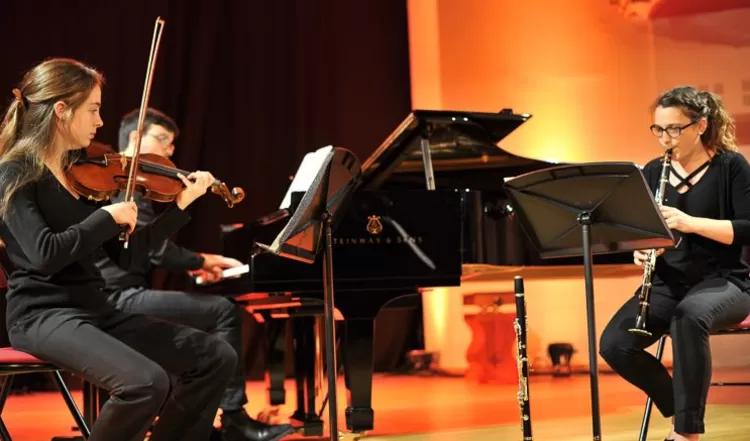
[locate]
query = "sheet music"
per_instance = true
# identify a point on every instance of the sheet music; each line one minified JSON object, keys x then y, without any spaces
{"x":306,"y":173}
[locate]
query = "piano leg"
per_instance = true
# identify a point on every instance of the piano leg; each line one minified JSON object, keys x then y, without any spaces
{"x":276,"y":362}
{"x":305,"y":368}
{"x":357,"y":356}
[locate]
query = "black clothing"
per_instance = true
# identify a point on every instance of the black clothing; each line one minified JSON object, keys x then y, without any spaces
{"x":57,"y":312}
{"x":132,"y":356}
{"x":696,"y":257}
{"x":166,"y":254}
{"x":730,"y":188}
{"x":689,"y":317}
{"x":216,"y":315}
{"x":129,"y":291}
{"x":699,"y":286}
{"x":51,"y":238}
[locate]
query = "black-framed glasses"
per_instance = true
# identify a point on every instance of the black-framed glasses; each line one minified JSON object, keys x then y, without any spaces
{"x":162,"y":138}
{"x":672,"y":131}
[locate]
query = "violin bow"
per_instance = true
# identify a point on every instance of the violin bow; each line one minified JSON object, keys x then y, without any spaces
{"x":133,"y":172}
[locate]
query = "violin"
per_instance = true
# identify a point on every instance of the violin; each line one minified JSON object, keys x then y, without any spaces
{"x":102,"y":174}
{"x":99,"y":173}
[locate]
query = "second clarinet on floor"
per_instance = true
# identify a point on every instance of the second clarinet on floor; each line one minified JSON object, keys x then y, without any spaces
{"x":520,"y":324}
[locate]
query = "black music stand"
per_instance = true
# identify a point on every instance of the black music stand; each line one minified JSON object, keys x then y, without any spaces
{"x":325,"y":180}
{"x":587,"y":209}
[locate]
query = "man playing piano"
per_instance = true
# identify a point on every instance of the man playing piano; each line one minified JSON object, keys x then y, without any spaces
{"x":131,"y":291}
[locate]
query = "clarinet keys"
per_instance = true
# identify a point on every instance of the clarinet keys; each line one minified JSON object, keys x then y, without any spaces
{"x":640,"y":326}
{"x":520,"y":325}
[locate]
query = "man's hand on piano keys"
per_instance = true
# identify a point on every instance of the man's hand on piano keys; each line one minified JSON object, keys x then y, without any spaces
{"x":213,"y":261}
{"x":203,"y":277}
{"x":213,"y":267}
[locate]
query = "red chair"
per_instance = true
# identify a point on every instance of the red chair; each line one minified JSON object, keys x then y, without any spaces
{"x":14,"y":362}
{"x":740,"y":328}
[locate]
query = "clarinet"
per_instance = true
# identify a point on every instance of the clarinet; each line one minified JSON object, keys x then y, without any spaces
{"x":520,"y":324}
{"x":644,"y":297}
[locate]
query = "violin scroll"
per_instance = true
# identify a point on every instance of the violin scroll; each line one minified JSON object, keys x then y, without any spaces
{"x":235,"y":196}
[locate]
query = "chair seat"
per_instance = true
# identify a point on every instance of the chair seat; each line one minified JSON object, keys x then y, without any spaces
{"x":13,"y":356}
{"x":745,"y":324}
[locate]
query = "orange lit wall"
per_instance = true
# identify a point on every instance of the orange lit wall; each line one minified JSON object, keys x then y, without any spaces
{"x":587,"y":72}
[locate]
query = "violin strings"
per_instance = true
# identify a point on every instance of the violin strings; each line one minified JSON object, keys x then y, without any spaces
{"x":162,"y":168}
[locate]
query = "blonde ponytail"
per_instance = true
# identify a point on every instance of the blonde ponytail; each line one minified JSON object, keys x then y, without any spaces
{"x":10,"y":130}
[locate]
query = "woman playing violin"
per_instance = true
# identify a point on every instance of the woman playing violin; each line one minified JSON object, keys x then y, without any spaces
{"x":56,"y":310}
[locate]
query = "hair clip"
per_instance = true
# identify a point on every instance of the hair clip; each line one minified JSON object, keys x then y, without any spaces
{"x":21,"y":100}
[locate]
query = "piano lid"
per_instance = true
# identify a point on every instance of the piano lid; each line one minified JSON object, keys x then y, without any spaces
{"x":458,"y":140}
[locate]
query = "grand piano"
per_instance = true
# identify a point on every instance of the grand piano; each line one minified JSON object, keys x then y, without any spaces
{"x":430,"y":208}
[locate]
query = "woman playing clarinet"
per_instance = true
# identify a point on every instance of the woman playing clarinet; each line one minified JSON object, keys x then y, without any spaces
{"x":701,"y":284}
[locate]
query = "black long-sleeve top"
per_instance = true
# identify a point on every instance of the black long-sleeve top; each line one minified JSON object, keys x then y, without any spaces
{"x":51,"y":238}
{"x":723,"y":193}
{"x":167,"y":255}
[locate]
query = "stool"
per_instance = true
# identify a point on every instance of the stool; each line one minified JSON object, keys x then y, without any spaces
{"x":740,"y":328}
{"x":12,"y":363}
{"x":560,"y":354}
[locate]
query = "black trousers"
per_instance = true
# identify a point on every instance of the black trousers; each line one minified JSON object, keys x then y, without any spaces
{"x":213,"y":314}
{"x":132,"y":357}
{"x":689,"y":316}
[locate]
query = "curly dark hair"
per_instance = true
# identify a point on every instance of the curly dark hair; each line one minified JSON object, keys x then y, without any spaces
{"x":696,"y":104}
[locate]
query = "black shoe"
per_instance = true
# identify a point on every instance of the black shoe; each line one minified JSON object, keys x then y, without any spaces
{"x":215,"y":435}
{"x":238,"y":426}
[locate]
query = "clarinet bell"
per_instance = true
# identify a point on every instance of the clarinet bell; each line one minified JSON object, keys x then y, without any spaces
{"x":640,"y":327}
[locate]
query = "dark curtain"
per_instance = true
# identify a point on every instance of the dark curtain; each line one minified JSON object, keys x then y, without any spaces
{"x":253,"y":85}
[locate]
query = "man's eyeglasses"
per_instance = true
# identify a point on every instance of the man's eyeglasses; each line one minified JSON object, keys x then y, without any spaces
{"x":672,"y":131}
{"x":162,"y":138}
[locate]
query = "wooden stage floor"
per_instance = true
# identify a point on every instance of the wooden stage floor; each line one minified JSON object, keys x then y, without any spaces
{"x":414,"y":408}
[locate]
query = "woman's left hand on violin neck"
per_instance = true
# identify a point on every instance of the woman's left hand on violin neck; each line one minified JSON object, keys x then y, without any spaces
{"x":196,"y":184}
